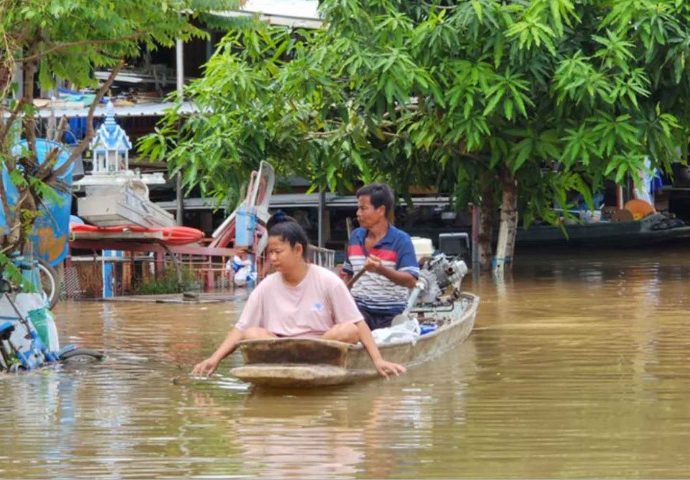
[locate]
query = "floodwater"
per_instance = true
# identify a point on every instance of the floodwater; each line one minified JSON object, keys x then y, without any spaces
{"x":577,"y":367}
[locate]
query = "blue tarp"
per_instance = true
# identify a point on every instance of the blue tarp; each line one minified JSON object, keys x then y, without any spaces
{"x":51,"y":230}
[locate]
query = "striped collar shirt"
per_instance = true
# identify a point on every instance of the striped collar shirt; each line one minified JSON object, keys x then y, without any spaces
{"x":373,"y":292}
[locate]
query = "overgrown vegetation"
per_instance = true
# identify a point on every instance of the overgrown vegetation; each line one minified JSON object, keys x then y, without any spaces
{"x":68,"y":40}
{"x":167,"y":282}
{"x":510,"y":104}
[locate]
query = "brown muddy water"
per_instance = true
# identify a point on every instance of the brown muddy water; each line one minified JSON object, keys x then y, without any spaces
{"x":578,"y":367}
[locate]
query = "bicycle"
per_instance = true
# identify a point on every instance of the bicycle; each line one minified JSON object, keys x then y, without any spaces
{"x":22,"y":347}
{"x":49,"y":280}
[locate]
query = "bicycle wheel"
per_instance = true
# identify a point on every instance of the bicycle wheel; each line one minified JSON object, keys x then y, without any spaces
{"x":81,"y":356}
{"x":49,"y":282}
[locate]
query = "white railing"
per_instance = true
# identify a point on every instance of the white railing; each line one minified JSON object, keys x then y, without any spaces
{"x":324,"y":257}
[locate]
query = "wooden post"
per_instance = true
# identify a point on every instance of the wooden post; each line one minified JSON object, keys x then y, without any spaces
{"x":475,"y":236}
{"x":179,"y":70}
{"x":322,"y":209}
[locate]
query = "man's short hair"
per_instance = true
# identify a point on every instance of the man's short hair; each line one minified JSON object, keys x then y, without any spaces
{"x":379,"y":194}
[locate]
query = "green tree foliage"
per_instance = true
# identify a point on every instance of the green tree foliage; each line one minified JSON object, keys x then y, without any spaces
{"x":67,"y":40}
{"x":556,"y":94}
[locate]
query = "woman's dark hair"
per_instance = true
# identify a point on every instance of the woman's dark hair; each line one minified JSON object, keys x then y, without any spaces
{"x":379,"y":194}
{"x":287,"y":228}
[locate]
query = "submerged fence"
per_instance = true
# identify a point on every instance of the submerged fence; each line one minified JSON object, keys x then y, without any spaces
{"x":82,"y":276}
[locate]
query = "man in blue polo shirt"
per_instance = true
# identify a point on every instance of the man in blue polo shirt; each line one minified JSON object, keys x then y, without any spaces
{"x":386,"y":255}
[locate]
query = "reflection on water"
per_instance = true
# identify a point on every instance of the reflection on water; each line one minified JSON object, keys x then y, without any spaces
{"x":577,"y":367}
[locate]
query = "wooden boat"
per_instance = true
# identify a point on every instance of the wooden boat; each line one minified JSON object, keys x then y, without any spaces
{"x":303,"y":362}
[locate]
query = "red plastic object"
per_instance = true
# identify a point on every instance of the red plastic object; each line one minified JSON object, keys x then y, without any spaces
{"x":171,"y":235}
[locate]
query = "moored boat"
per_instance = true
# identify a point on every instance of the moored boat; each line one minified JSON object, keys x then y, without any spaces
{"x":653,"y":229}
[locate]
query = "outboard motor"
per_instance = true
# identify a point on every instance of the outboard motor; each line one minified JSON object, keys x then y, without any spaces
{"x":438,"y":285}
{"x":447,"y":271}
{"x":438,"y":273}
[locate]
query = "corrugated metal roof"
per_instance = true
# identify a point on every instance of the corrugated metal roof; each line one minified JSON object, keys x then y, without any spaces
{"x":139,"y":110}
{"x":290,"y":8}
{"x":291,"y":13}
{"x":292,"y":200}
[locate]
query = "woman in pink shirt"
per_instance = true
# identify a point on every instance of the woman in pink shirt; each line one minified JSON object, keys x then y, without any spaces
{"x":298,"y":300}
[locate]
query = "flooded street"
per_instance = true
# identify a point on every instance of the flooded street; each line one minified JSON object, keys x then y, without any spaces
{"x":577,"y":367}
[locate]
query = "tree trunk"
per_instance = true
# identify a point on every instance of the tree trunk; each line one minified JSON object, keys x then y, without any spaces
{"x":509,"y":221}
{"x":487,"y":215}
{"x":29,"y":121}
{"x":510,"y":183}
{"x":25,"y":211}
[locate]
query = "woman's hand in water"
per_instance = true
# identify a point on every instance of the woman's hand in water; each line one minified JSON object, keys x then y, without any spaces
{"x":205,"y":368}
{"x":386,"y":368}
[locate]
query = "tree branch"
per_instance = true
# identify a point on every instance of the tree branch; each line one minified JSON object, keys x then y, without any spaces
{"x":28,"y":121}
{"x":47,"y":164}
{"x":66,"y":45}
{"x":5,"y":203}
{"x":28,"y":199}
{"x":13,"y":116}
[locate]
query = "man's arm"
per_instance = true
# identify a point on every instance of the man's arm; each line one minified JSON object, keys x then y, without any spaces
{"x":405,"y":279}
{"x":346,"y":276}
{"x":346,"y":271}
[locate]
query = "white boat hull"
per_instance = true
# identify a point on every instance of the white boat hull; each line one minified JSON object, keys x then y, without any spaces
{"x":115,"y":207}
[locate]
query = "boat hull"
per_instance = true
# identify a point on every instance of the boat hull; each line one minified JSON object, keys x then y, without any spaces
{"x":613,"y":234}
{"x":304,"y":363}
{"x":122,"y":207}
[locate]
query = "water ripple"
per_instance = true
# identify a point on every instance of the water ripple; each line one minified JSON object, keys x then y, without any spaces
{"x":577,"y":368}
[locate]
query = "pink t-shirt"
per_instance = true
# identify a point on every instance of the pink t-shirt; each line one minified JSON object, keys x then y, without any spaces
{"x":309,"y":309}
